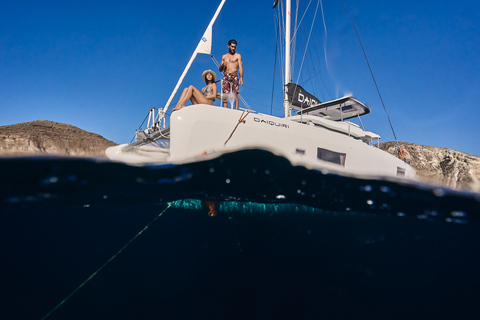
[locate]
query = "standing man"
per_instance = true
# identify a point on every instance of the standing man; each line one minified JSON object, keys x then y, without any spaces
{"x":231,"y":62}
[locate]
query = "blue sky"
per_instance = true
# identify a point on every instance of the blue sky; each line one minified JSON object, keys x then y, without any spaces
{"x":100,"y":65}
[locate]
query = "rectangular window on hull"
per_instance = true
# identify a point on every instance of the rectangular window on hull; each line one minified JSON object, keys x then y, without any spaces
{"x":331,"y":156}
{"x":300,"y":151}
{"x":400,"y":172}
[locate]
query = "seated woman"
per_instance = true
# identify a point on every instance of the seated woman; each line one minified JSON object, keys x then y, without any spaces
{"x":206,"y":96}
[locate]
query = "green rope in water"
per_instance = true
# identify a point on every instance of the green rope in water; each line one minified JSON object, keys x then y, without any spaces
{"x":109,"y":260}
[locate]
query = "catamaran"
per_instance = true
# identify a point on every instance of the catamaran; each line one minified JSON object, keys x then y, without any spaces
{"x":313,"y":134}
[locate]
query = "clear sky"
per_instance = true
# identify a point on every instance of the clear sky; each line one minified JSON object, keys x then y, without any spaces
{"x":100,"y":65}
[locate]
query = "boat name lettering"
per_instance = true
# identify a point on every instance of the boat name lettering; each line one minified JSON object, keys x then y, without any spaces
{"x":306,"y":100}
{"x":272,"y":123}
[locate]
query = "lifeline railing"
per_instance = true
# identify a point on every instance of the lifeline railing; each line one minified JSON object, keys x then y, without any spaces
{"x":156,"y":121}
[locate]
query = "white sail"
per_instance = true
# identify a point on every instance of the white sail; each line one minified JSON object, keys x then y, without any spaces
{"x":204,"y":46}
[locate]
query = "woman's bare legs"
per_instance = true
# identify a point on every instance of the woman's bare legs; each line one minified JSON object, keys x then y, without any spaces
{"x":186,"y":94}
{"x":198,"y":97}
{"x":193,"y":94}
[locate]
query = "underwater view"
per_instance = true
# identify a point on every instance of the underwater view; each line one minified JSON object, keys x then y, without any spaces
{"x":243,"y":236}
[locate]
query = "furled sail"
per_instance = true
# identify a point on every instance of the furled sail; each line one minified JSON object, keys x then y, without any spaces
{"x":299,"y":97}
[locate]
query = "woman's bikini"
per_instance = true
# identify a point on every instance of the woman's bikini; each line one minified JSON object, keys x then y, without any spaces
{"x":208,"y":91}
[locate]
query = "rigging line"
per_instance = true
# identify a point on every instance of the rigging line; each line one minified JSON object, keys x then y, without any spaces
{"x":278,"y":23}
{"x":264,"y":105}
{"x":311,"y":28}
{"x":293,"y":40}
{"x":283,"y":28}
{"x":140,"y":127}
{"x":274,"y":69}
{"x":306,"y":46}
{"x":319,"y":82}
{"x":324,"y":43}
{"x":323,"y":16}
{"x":108,"y":261}
{"x":326,"y":35}
{"x":281,"y":51}
{"x":310,"y":69}
{"x":244,"y":102}
{"x":297,"y":7}
{"x":260,"y":91}
{"x":215,"y":61}
{"x":371,"y":72}
{"x":311,"y":77}
{"x":298,"y":25}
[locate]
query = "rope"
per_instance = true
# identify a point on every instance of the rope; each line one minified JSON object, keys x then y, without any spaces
{"x":140,"y":127}
{"x":279,"y":26}
{"x":108,"y":261}
{"x":326,"y":36}
{"x":308,"y":41}
{"x":371,"y":72}
{"x":274,"y":69}
{"x":215,"y":60}
{"x":297,"y":25}
{"x":241,"y":120}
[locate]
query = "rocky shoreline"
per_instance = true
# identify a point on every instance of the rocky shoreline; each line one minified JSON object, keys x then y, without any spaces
{"x":441,"y":166}
{"x":434,"y":165}
{"x":43,"y":137}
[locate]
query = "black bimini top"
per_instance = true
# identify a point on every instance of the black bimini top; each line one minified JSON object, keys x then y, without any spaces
{"x":336,"y":110}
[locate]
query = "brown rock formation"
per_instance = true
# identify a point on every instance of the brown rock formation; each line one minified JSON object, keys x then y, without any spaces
{"x":53,"y":138}
{"x":441,"y":166}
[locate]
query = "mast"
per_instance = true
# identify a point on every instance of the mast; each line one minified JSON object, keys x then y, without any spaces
{"x":286,"y":105}
{"x":204,"y":46}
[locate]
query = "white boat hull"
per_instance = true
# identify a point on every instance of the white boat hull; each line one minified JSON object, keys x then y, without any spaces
{"x":201,"y":132}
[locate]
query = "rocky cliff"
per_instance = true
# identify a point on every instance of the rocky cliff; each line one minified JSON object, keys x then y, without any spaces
{"x":441,"y":166}
{"x":48,"y":137}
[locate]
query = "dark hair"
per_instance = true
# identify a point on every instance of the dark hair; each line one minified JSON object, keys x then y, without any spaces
{"x":232,"y":41}
{"x":206,"y":80}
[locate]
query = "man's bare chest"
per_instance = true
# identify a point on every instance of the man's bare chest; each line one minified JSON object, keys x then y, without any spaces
{"x":231,"y":59}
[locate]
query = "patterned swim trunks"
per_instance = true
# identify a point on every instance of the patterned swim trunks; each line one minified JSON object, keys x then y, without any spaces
{"x":230,"y":79}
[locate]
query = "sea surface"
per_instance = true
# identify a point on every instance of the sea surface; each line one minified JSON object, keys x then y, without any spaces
{"x":243,"y":236}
